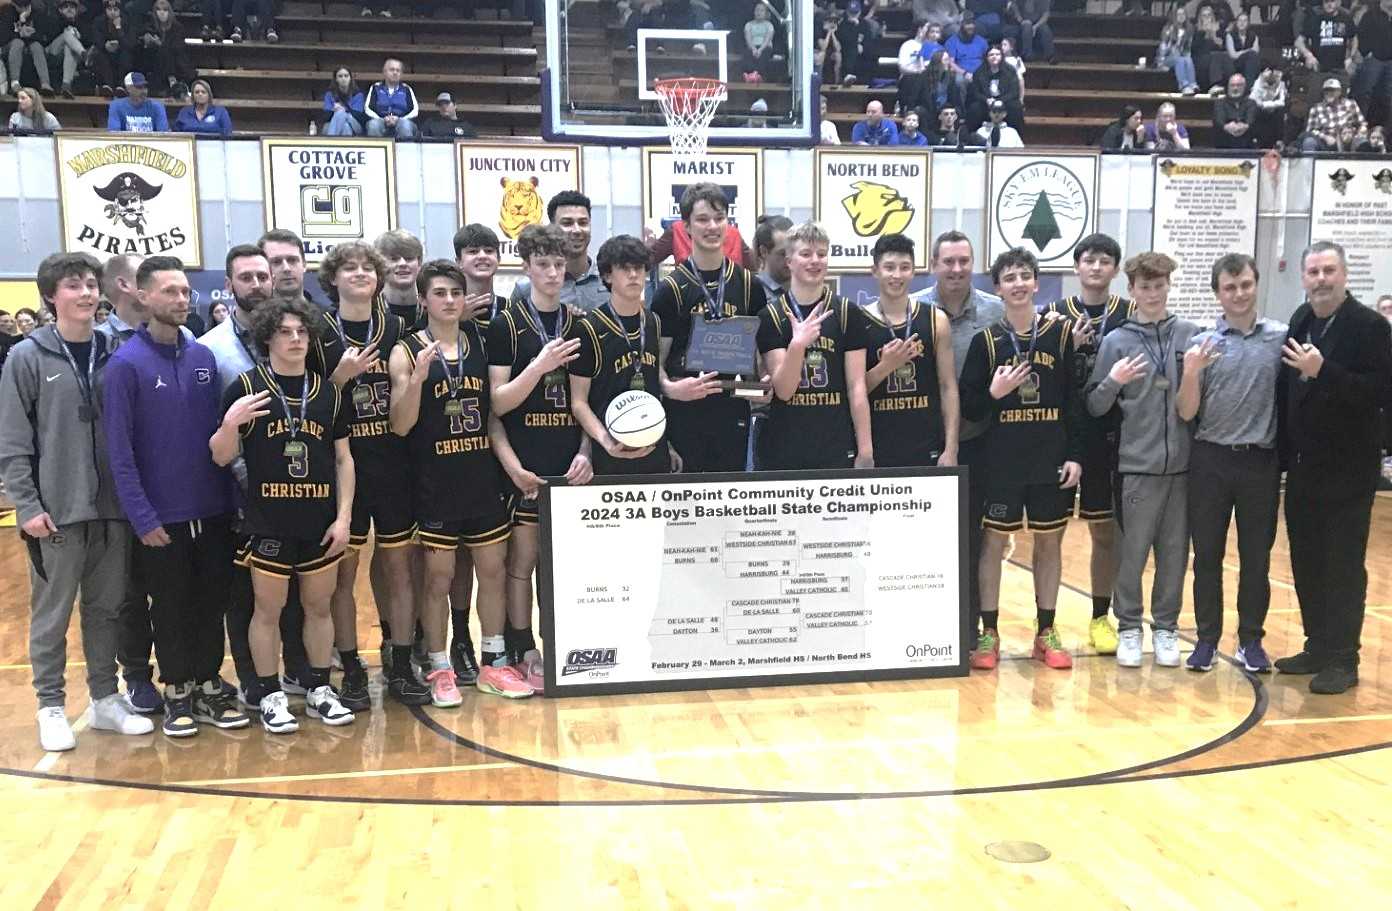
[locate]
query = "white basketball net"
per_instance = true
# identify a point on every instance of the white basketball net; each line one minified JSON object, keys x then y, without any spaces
{"x":688,"y":106}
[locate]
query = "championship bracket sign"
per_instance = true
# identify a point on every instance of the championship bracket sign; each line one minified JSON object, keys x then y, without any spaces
{"x":740,"y":580}
{"x":506,"y":187}
{"x":1042,"y":202}
{"x":864,"y":194}
{"x":738,"y":172}
{"x":125,"y":195}
{"x":329,"y":191}
{"x":1352,"y":205}
{"x":1204,"y":208}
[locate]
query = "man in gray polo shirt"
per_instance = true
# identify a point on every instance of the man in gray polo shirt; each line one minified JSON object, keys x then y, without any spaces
{"x":583,"y":289}
{"x":1229,"y":385}
{"x":968,"y":312}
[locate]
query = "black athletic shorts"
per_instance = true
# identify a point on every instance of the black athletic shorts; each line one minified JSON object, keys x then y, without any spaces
{"x":382,"y":501}
{"x":523,"y":511}
{"x":1095,"y":489}
{"x":285,"y":557}
{"x":1038,"y":507}
{"x":476,"y":531}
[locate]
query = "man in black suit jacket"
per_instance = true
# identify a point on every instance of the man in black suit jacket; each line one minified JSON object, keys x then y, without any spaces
{"x":1337,"y":376}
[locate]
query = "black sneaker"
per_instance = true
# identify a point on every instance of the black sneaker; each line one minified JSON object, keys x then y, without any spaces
{"x":178,"y":712}
{"x":291,"y":685}
{"x":1305,"y":662}
{"x":353,"y":693}
{"x":407,"y":690}
{"x":213,"y":706}
{"x":466,"y":668}
{"x":1334,"y":679}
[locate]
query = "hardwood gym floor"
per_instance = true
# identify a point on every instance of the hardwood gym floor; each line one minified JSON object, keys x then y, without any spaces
{"x":1149,"y":789}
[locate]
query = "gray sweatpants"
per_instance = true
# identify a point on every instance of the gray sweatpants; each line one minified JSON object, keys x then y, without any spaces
{"x":92,"y":558}
{"x":1152,"y":511}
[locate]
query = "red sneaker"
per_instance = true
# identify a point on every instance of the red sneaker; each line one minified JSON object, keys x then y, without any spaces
{"x":987,"y":653}
{"x":1048,"y":647}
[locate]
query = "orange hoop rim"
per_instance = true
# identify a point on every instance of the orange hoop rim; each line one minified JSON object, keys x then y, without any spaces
{"x":684,"y":92}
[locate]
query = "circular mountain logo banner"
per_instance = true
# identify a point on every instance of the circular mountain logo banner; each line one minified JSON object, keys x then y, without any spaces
{"x":1045,"y":204}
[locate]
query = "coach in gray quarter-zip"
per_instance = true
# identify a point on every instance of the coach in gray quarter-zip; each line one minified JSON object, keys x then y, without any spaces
{"x":1139,"y":366}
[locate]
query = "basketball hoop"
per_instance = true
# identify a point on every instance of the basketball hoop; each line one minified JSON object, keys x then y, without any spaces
{"x":688,"y":105}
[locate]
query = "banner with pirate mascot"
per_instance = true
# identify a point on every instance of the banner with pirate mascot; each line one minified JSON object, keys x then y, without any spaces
{"x":506,"y":187}
{"x":129,"y":195}
{"x":1352,"y":205}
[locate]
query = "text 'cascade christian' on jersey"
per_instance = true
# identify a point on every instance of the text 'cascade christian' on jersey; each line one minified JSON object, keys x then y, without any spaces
{"x":906,"y":420}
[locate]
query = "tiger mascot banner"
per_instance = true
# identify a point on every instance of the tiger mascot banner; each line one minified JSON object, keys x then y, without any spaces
{"x":865,"y":193}
{"x":329,"y":191}
{"x":738,"y":172}
{"x":506,"y":187}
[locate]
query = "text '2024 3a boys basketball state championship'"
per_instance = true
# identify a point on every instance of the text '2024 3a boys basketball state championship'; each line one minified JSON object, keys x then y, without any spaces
{"x":724,"y":581}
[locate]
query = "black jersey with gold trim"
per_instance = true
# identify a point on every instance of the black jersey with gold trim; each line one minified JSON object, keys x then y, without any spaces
{"x":610,"y":356}
{"x":1038,"y":426}
{"x":541,"y":429}
{"x":368,"y":397}
{"x":1102,"y":319}
{"x":453,"y":469}
{"x":906,"y":420}
{"x":292,"y":489}
{"x":679,"y":298}
{"x":813,"y":428}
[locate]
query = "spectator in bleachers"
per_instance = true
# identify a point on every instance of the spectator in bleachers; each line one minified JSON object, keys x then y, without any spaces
{"x":1374,"y":143}
{"x":829,"y":136}
{"x":71,"y":42}
{"x":1269,"y":95}
{"x":996,"y":131}
{"x":967,"y":50}
{"x":343,"y":113}
{"x":137,"y":112}
{"x":990,"y":18}
{"x":26,"y":30}
{"x":161,"y":53}
{"x":914,"y":56}
{"x":876,"y":129}
{"x":391,"y":105}
{"x":940,"y":88}
{"x":1030,"y":19}
{"x":994,"y":81}
{"x":1242,"y":49}
{"x":826,"y":50}
{"x":1234,"y":116}
{"x":264,"y":28}
{"x":1012,"y":60}
{"x":1372,"y":83}
{"x":909,"y":134}
{"x":215,"y":15}
{"x":114,"y":55}
{"x":30,"y":117}
{"x":761,"y":59}
{"x":202,"y":116}
{"x":949,"y":130}
{"x":1208,"y":50}
{"x":1328,"y":42}
{"x":946,"y":14}
{"x":855,"y":38}
{"x":1176,"y":50}
{"x":1166,"y":133}
{"x":1335,"y":123}
{"x":1126,"y":132}
{"x":217,"y":314}
{"x":446,"y":123}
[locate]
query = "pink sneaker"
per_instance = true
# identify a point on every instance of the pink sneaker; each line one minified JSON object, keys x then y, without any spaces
{"x":533,"y":670}
{"x":443,"y":691}
{"x":503,"y":681}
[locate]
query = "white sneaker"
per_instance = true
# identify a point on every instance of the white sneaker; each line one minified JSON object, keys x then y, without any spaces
{"x":55,"y":734}
{"x":113,"y":713}
{"x":322,"y":703}
{"x":275,"y":714}
{"x":1129,"y":648}
{"x":1166,"y":644}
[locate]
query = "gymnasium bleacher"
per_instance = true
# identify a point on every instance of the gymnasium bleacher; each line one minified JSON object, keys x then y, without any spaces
{"x":491,"y":66}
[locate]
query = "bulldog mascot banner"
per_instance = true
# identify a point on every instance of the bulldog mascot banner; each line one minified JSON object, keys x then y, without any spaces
{"x":862,"y":194}
{"x":506,"y":187}
{"x":129,"y":196}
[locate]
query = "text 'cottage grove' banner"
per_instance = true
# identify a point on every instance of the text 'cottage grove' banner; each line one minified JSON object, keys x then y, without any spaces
{"x":329,"y":191}
{"x":506,"y":187}
{"x":129,"y":196}
{"x":1352,"y":205}
{"x":1204,"y":208}
{"x":863,"y":194}
{"x":738,"y":172}
{"x":1042,"y":202}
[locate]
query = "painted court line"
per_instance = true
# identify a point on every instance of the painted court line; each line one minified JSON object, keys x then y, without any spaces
{"x":1333,"y":720}
{"x":329,"y":776}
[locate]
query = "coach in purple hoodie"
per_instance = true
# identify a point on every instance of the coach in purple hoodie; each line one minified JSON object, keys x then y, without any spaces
{"x":161,"y":405}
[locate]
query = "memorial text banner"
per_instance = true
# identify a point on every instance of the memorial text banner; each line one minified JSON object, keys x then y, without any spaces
{"x":681,"y":583}
{"x":1352,"y":205}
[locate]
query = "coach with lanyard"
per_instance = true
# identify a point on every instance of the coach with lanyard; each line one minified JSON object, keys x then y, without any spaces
{"x":1337,"y":375}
